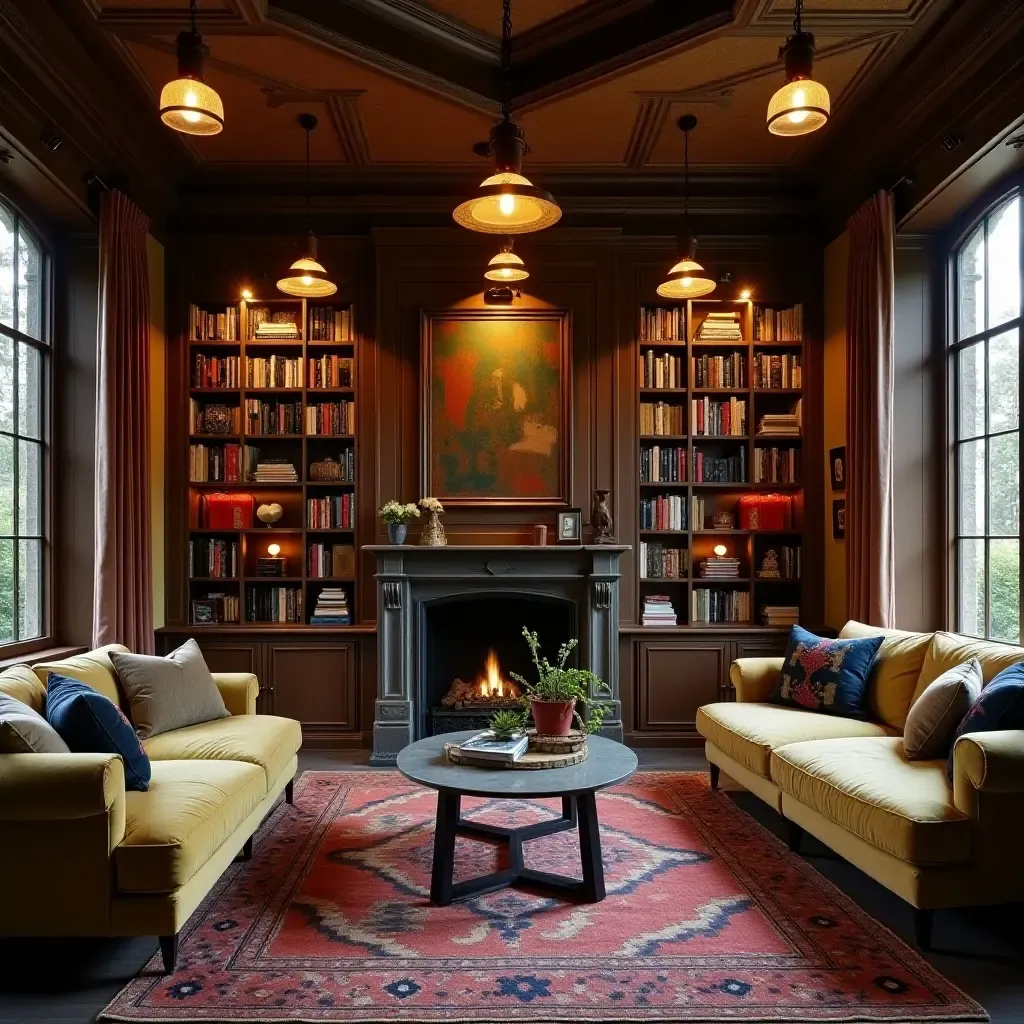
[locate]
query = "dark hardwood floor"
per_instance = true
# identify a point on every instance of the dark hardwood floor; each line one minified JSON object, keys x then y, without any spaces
{"x":981,"y":950}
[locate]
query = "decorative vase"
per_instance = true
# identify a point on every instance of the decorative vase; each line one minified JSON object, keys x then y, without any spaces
{"x":397,"y":532}
{"x":433,"y":532}
{"x":552,"y":717}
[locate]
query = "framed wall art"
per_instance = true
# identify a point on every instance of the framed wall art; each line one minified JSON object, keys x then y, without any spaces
{"x":496,"y":405}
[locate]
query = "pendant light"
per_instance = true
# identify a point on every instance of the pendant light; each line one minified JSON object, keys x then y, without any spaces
{"x":188,"y":104}
{"x":507,"y":202}
{"x":506,"y":265}
{"x":306,"y":278}
{"x":687,"y":279}
{"x":802,"y":104}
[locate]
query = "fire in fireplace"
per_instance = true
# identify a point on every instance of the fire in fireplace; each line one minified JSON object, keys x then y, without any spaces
{"x":490,"y":689}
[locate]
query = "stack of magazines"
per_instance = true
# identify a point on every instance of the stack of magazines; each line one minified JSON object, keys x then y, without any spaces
{"x":486,"y":749}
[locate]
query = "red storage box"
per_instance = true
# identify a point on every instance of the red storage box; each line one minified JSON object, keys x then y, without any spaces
{"x":228,"y":511}
{"x":766,"y":512}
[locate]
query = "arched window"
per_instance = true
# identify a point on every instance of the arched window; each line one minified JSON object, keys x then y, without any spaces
{"x":24,"y":432}
{"x":985,"y":365}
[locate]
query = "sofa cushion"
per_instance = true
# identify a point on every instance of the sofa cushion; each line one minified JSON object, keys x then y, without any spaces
{"x":1000,"y":705}
{"x":92,"y":668}
{"x":948,"y":650}
{"x":826,"y":675}
{"x":749,"y":732}
{"x":24,"y":731}
{"x":263,"y":740}
{"x":892,"y":681}
{"x":869,"y":787}
{"x":935,"y":715}
{"x":191,"y":808}
{"x":21,"y":683}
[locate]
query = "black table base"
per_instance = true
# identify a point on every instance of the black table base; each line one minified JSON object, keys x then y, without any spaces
{"x":579,"y":811}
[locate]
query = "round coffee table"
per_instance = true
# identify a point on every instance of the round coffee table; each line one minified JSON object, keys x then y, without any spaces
{"x":608,"y":763}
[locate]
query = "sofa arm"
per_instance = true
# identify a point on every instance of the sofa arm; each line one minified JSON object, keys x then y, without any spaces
{"x":60,"y":787}
{"x":755,"y":678}
{"x":989,"y":762}
{"x":239,"y":690}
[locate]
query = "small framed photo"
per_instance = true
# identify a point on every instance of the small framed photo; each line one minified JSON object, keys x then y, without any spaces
{"x":570,"y":526}
{"x":837,"y":467}
{"x":203,"y":612}
{"x":839,"y":519}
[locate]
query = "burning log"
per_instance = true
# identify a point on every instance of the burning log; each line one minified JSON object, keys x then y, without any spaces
{"x":489,"y":690}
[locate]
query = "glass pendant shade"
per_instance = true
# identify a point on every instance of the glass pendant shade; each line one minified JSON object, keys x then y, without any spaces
{"x":798,"y":108}
{"x":506,"y":266}
{"x":188,"y":104}
{"x":508,"y":204}
{"x":686,"y":280}
{"x":307,"y":279}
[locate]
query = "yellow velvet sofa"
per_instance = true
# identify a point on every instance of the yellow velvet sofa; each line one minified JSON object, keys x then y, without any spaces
{"x":79,"y":856}
{"x":849,"y":783}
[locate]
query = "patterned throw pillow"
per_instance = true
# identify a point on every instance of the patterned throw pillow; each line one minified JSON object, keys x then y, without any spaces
{"x":1000,"y":705}
{"x":825,"y":675}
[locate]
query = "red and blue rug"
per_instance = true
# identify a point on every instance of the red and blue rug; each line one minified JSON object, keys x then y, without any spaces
{"x":708,"y":917}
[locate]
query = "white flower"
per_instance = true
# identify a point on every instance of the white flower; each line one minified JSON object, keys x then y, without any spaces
{"x":431,"y":504}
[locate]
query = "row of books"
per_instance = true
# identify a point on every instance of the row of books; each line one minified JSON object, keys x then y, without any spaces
{"x":327,"y":323}
{"x":662,"y":464}
{"x":204,"y":325}
{"x":709,"y":605}
{"x":213,"y":557}
{"x":273,"y":604}
{"x":661,"y":371}
{"x":724,"y":326}
{"x":779,"y":324}
{"x":774,"y":371}
{"x":663,"y":324}
{"x":329,"y":371}
{"x":331,"y":513}
{"x":708,"y":469}
{"x":228,"y":463}
{"x":658,"y":611}
{"x":215,"y":371}
{"x":658,"y":562}
{"x":213,"y":419}
{"x":719,"y":371}
{"x":709,"y":417}
{"x":273,"y":372}
{"x":272,"y":417}
{"x":662,"y":418}
{"x":665,"y":512}
{"x":331,"y":418}
{"x":331,"y":608}
{"x":213,"y":608}
{"x":780,"y":614}
{"x":721,"y":567}
{"x":776,"y":465}
{"x":324,"y":561}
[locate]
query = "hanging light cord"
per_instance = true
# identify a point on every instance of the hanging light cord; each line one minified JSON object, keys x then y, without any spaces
{"x":192,"y":15}
{"x":309,"y":227}
{"x":798,"y":10}
{"x":686,"y":183}
{"x":506,"y":59}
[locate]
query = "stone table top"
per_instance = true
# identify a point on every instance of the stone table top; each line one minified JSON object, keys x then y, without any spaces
{"x":608,"y":763}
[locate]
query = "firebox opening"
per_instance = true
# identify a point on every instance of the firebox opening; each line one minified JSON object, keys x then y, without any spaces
{"x":471,"y":647}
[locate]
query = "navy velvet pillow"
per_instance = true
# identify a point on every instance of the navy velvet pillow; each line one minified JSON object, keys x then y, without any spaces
{"x":1000,"y":705}
{"x":826,"y":675}
{"x":90,"y":723}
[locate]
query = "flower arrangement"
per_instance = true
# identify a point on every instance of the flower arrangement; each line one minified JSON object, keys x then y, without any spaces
{"x":431,"y":505}
{"x":558,"y":684}
{"x":394,"y":513}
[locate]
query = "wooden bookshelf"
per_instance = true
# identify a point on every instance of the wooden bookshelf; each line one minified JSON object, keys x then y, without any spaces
{"x":671,"y":331}
{"x":293,"y":532}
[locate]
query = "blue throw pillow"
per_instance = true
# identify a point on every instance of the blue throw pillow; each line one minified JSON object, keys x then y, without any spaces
{"x":826,"y":675}
{"x":1000,"y":705}
{"x":90,"y":723}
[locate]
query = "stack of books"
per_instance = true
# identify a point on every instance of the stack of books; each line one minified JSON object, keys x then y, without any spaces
{"x":331,"y":608}
{"x":780,"y":614}
{"x":271,"y":566}
{"x":275,"y":472}
{"x":780,"y":424}
{"x":658,"y":611}
{"x":486,"y":750}
{"x":720,"y":327}
{"x":720,"y":568}
{"x":272,"y":330}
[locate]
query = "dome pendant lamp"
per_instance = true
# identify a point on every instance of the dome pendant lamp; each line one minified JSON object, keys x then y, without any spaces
{"x":507,"y":202}
{"x":506,"y":266}
{"x":188,"y":104}
{"x":306,"y":277}
{"x":802,"y":105}
{"x":687,"y":279}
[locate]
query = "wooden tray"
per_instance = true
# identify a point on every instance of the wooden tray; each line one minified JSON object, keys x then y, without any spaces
{"x":548,"y":744}
{"x":530,"y":760}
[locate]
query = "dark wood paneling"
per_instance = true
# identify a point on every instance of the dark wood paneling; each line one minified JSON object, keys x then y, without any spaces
{"x":316,"y":684}
{"x":760,"y":647}
{"x":675,"y":677}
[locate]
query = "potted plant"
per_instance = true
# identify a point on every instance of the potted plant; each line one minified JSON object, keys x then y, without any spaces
{"x":397,"y":517}
{"x":557,"y":694}
{"x":433,"y":533}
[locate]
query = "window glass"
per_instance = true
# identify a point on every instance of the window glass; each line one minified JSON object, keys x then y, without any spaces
{"x":971,"y":284}
{"x":1004,"y":264}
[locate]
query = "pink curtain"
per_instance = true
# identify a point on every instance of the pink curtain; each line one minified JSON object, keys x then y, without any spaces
{"x":123,"y":582}
{"x":870,"y":561}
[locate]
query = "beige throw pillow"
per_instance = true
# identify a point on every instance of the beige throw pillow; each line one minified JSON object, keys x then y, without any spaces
{"x":24,"y":731}
{"x":935,"y":715}
{"x":168,"y":693}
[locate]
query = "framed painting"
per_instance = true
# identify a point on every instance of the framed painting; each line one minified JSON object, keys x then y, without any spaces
{"x":496,"y":387}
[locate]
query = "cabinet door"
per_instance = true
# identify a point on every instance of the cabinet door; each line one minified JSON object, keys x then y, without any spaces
{"x":238,"y":656}
{"x":316,"y":684}
{"x":675,"y":678}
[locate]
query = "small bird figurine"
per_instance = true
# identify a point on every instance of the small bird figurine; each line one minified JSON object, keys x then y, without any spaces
{"x":601,"y":519}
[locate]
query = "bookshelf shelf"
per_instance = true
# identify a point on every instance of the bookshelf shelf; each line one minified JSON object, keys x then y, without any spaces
{"x":742,"y":345}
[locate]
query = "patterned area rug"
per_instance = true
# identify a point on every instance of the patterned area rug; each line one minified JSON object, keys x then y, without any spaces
{"x":708,"y":917}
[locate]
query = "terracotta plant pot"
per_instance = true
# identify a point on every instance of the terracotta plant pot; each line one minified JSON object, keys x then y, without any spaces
{"x":553,"y":717}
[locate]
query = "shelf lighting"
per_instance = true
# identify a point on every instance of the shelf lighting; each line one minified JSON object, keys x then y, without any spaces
{"x":746,"y":294}
{"x":273,"y":550}
{"x":188,"y":104}
{"x":246,"y":294}
{"x":720,"y":550}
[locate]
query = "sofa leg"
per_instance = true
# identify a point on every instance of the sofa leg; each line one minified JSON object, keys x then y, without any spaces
{"x":289,"y":792}
{"x":923,"y":921}
{"x":794,"y":835}
{"x":169,"y":951}
{"x":713,"y":773}
{"x":246,"y":853}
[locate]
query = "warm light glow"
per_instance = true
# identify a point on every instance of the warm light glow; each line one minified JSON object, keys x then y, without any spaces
{"x":720,"y":550}
{"x":273,"y":550}
{"x":686,"y":280}
{"x":799,"y":107}
{"x":307,"y":279}
{"x":506,"y":266}
{"x":246,"y":294}
{"x":190,"y":106}
{"x":490,"y":682}
{"x":507,"y":204}
{"x":519,"y":209}
{"x":746,"y":294}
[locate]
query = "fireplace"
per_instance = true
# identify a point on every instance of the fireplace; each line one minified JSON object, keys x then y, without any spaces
{"x":469,"y":647}
{"x":440,"y":611}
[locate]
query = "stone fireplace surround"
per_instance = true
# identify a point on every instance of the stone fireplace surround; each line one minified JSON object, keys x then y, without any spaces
{"x":409,"y":578}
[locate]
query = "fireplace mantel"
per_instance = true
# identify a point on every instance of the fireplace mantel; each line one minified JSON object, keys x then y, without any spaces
{"x":409,"y":577}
